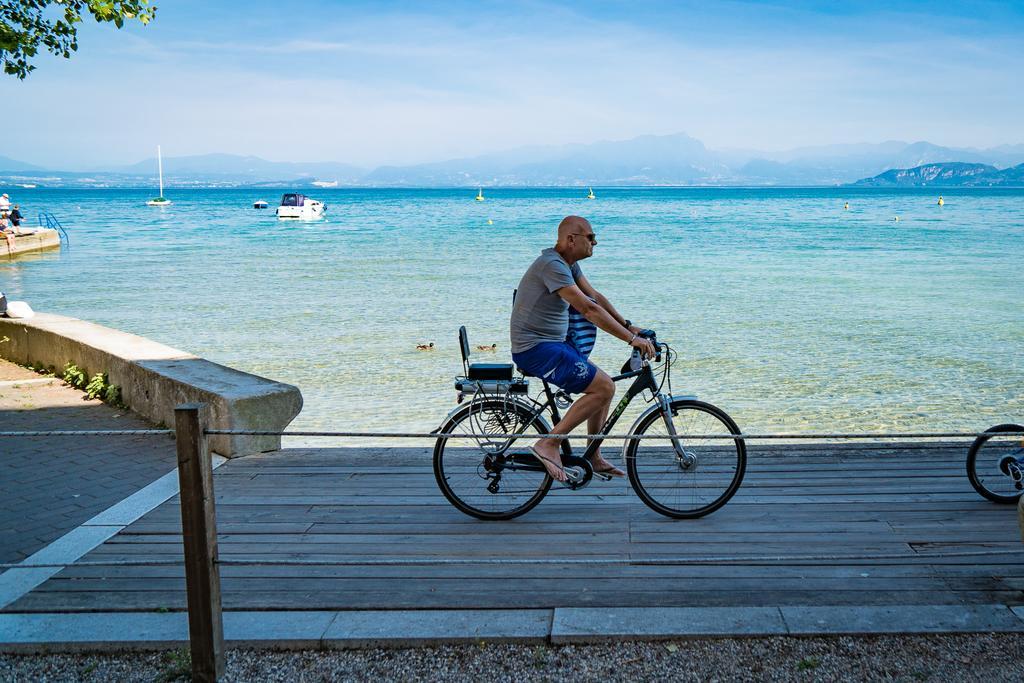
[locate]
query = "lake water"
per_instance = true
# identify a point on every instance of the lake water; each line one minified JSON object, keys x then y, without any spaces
{"x":786,"y":310}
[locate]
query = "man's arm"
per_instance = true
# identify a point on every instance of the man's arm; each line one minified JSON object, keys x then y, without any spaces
{"x":596,"y":313}
{"x":600,"y":298}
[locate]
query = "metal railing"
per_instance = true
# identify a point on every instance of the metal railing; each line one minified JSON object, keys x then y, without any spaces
{"x":49,"y":221}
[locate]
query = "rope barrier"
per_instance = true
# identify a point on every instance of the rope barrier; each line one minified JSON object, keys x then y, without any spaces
{"x":432,"y":562}
{"x":91,"y":432}
{"x":619,"y":437}
{"x":588,"y":437}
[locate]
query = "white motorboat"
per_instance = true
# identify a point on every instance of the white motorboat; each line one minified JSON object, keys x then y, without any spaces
{"x":261,"y":204}
{"x":296,"y":206}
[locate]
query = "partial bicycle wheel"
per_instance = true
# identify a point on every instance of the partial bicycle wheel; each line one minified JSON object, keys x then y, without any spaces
{"x":995,"y":464}
{"x":700,"y":481}
{"x":491,"y":478}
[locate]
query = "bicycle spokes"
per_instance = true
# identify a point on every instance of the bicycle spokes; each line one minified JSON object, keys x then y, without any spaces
{"x":493,"y":418}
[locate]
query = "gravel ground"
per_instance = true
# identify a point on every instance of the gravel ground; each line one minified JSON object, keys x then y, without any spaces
{"x":973,"y":657}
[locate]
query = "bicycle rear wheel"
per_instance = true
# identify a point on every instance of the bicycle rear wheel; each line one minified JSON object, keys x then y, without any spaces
{"x":676,"y":488}
{"x":491,"y":478}
{"x":994,"y":464}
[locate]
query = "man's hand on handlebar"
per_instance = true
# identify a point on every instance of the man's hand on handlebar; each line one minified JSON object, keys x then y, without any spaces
{"x":644,"y":345}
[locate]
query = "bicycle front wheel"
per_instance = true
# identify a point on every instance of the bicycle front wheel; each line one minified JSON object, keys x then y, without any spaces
{"x":701,"y":479}
{"x":994,"y":464}
{"x":491,"y":478}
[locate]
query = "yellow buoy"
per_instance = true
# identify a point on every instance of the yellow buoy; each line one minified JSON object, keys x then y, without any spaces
{"x":490,"y":222}
{"x":941,"y":200}
{"x":591,"y":195}
{"x":896,"y":218}
{"x":480,"y":195}
{"x":846,"y":206}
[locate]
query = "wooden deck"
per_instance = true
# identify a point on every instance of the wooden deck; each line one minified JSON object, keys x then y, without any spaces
{"x":913,"y":504}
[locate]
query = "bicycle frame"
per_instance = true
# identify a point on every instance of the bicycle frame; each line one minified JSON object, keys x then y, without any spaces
{"x":645,"y":380}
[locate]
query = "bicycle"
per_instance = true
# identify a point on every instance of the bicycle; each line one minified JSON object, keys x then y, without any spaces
{"x":995,"y":465}
{"x":679,"y":477}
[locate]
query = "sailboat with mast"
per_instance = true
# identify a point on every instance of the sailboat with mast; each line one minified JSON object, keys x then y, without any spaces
{"x":161,"y":200}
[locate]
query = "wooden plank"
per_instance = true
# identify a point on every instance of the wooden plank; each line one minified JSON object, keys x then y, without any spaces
{"x":399,"y":597}
{"x":352,"y":504}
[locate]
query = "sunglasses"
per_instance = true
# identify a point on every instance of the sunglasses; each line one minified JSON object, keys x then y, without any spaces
{"x":590,"y":236}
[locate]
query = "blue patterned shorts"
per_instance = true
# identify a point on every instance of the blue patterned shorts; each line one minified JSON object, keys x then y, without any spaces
{"x":559,"y":363}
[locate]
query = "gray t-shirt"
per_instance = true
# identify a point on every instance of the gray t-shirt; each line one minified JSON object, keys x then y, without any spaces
{"x":540,"y":315}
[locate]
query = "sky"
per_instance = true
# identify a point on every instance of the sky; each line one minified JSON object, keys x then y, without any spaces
{"x":378,"y":82}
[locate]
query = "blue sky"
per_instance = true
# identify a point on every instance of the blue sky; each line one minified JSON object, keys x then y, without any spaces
{"x":375,"y":83}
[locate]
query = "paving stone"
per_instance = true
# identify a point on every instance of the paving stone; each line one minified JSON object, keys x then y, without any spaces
{"x":589,"y":624}
{"x":41,"y":475}
{"x":900,"y":619}
{"x":91,"y":631}
{"x":277,"y":629}
{"x":424,"y":627}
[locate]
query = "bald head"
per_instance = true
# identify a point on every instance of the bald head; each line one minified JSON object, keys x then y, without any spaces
{"x":576,"y":239}
{"x":572,"y":225}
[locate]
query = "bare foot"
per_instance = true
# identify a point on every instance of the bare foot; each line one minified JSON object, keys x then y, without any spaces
{"x":551,"y":458}
{"x":604,"y":467}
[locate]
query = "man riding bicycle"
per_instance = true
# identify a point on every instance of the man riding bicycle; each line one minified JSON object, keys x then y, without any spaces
{"x":539,"y":329}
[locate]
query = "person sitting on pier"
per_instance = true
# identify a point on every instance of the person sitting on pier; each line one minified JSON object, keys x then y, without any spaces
{"x":6,"y":232}
{"x":539,"y":331}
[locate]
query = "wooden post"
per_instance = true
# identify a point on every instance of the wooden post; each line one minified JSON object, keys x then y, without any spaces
{"x":199,"y":537}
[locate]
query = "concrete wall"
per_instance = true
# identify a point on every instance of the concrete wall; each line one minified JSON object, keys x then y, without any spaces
{"x":155,"y":378}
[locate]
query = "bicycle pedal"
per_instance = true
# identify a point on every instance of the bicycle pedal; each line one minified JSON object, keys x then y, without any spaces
{"x":604,"y":476}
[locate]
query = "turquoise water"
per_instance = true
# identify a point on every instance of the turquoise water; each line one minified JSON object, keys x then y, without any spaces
{"x":786,"y":310}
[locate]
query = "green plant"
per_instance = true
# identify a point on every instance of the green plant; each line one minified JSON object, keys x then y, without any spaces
{"x":42,"y":369}
{"x":96,"y":385}
{"x":808,"y":663}
{"x":100,"y":387}
{"x":112,"y":395}
{"x":74,"y":375}
{"x":178,"y":665}
{"x":28,"y":26}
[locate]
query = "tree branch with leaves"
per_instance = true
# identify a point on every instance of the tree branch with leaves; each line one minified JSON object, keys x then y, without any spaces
{"x":27,"y":25}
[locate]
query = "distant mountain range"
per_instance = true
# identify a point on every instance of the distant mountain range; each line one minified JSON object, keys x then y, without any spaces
{"x":955,"y":174}
{"x":648,"y":160}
